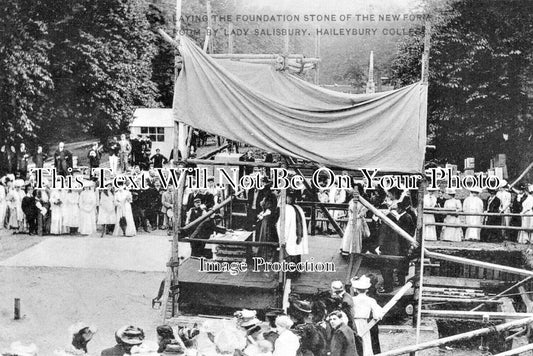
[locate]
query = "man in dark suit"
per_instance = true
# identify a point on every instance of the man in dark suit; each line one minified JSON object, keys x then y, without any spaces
{"x":405,"y":221}
{"x":39,"y":157}
{"x":22,"y":161}
{"x":389,"y":242}
{"x":62,"y":160}
{"x":245,"y":170}
{"x":343,"y":338}
{"x":30,"y":209}
{"x":516,"y":208}
{"x":126,"y":337}
{"x":94,"y":158}
{"x":493,"y":206}
{"x":158,"y":160}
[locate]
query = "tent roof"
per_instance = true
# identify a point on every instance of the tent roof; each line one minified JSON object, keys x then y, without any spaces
{"x":277,"y":111}
{"x":152,"y":117}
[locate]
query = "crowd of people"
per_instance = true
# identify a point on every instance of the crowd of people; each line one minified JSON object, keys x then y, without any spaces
{"x":501,"y":201}
{"x":336,"y":325}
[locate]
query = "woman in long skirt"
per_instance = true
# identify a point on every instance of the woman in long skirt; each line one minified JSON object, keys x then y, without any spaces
{"x":430,"y":202}
{"x":124,"y":223}
{"x":71,"y":210}
{"x":106,"y":209}
{"x":352,"y":239}
{"x":87,"y":210}
{"x":525,"y":237}
{"x":56,"y":211}
{"x":365,"y":308}
{"x":450,"y":233}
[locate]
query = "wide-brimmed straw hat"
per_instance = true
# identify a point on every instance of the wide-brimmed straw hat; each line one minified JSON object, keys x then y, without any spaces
{"x":475,"y":190}
{"x":131,"y":335}
{"x":362,"y":282}
{"x":337,"y":286}
{"x":450,"y":191}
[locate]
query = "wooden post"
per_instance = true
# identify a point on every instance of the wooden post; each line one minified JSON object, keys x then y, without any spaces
{"x":420,"y":238}
{"x":459,"y":337}
{"x":317,"y":55}
{"x":282,"y":237}
{"x":389,"y":306}
{"x":17,"y":309}
{"x":313,"y":220}
{"x":208,"y":44}
{"x":516,"y":351}
{"x":230,"y":38}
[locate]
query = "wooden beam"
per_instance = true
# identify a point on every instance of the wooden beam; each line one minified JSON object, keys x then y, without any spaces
{"x":240,"y":164}
{"x":525,"y":298}
{"x":462,"y":282}
{"x":442,"y":211}
{"x":528,"y":168}
{"x":516,"y":351}
{"x":391,"y":303}
{"x":477,"y":263}
{"x":214,"y":151}
{"x":525,"y":280}
{"x":233,"y":243}
{"x":389,"y":222}
{"x":500,"y":227}
{"x":211,"y":212}
{"x":253,"y":56}
{"x":476,"y":315}
{"x":460,"y":300}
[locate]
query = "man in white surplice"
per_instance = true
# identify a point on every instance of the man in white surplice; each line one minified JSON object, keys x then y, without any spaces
{"x":295,"y":233}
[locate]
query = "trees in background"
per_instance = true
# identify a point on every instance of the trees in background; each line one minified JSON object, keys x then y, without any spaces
{"x":480,"y":80}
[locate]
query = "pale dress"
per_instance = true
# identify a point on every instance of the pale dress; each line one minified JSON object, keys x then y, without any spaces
{"x":364,"y":307}
{"x":123,"y":203}
{"x":87,"y":212}
{"x":527,"y":221}
{"x":352,"y":239}
{"x":505,"y":205}
{"x":452,"y":233}
{"x":473,"y":204}
{"x":430,"y":232}
{"x":71,"y":210}
{"x":14,"y":204}
{"x":106,"y":209}
{"x":56,"y":212}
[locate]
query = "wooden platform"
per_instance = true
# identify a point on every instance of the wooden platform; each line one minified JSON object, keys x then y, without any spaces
{"x":259,"y":290}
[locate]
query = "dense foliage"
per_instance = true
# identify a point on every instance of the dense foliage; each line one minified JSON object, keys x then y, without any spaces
{"x":480,"y":78}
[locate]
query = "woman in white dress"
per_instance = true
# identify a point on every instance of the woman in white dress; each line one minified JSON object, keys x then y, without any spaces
{"x":87,"y":209}
{"x":71,"y":210}
{"x":352,"y":239}
{"x":106,"y":209}
{"x":430,"y":202}
{"x":473,"y":204}
{"x":14,"y":203}
{"x":450,"y":233}
{"x":123,"y":200}
{"x":365,"y":308}
{"x":56,"y":212}
{"x":525,"y":237}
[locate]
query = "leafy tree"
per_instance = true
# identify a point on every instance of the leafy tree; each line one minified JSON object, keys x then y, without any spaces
{"x":25,"y":79}
{"x":480,"y":75}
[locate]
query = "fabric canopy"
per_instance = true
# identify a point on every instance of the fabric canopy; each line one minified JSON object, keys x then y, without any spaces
{"x":277,"y":111}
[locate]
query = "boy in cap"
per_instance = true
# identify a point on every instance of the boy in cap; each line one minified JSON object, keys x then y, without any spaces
{"x":126,"y":337}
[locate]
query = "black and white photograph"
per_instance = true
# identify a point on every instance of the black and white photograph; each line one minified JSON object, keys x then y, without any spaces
{"x":266,"y":177}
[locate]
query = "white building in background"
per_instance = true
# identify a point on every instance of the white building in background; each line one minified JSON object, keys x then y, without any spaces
{"x":158,"y":125}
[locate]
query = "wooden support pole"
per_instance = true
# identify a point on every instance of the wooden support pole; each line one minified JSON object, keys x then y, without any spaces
{"x":477,"y":315}
{"x":230,"y":38}
{"x":460,"y":300}
{"x":213,"y":151}
{"x":420,"y":238}
{"x":477,"y":263}
{"x":234,"y":243}
{"x":500,"y":227}
{"x":391,"y":303}
{"x":17,"y":309}
{"x":525,"y":280}
{"x":465,"y":336}
{"x":282,"y":238}
{"x":211,"y":212}
{"x":528,"y":168}
{"x":389,"y":222}
{"x":240,"y":164}
{"x":317,"y":55}
{"x":516,"y":351}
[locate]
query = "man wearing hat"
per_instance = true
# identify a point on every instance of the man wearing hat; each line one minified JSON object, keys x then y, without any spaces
{"x":493,"y":206}
{"x":505,"y":206}
{"x":342,"y":300}
{"x":474,"y":205}
{"x":527,"y":218}
{"x":126,"y":337}
{"x":516,"y":208}
{"x":365,"y":309}
{"x":203,"y":231}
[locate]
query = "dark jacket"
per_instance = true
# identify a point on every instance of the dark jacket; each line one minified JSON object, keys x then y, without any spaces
{"x":158,"y":160}
{"x":343,"y":342}
{"x":62,"y":161}
{"x":388,"y":239}
{"x":94,"y":161}
{"x":493,"y":206}
{"x":116,"y":350}
{"x":39,"y":159}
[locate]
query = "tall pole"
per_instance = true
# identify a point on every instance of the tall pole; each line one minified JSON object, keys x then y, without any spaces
{"x":230,"y":37}
{"x":423,"y":185}
{"x":317,"y":55}
{"x":370,"y":85}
